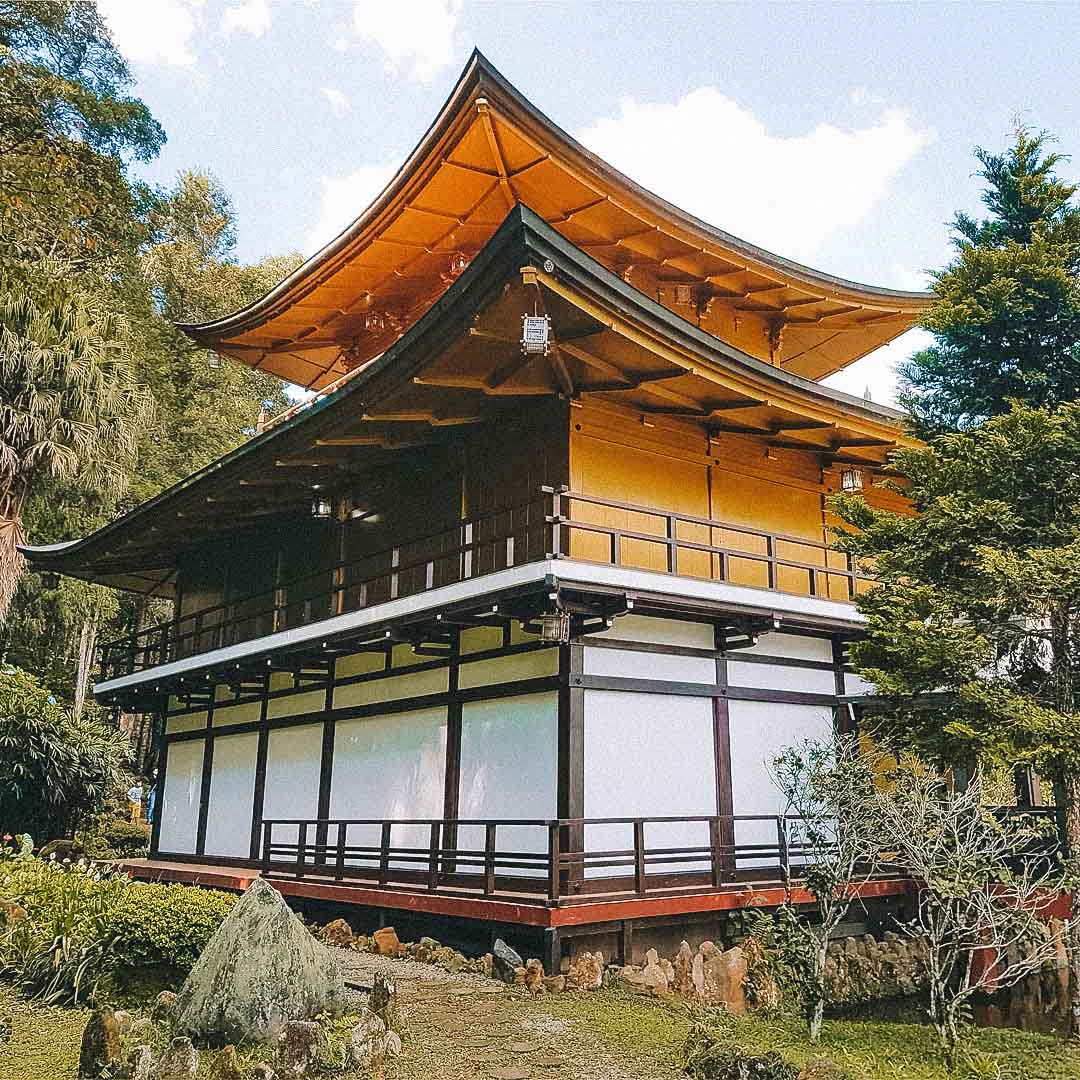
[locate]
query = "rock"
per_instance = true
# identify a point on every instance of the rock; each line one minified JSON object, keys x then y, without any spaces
{"x":124,"y":1021}
{"x":519,"y":978}
{"x":362,"y":943}
{"x":259,"y":971}
{"x":99,"y":1055}
{"x":683,"y":971}
{"x":725,"y":980}
{"x":697,"y":974}
{"x":163,"y":1006}
{"x":227,"y":1066}
{"x":504,"y":961}
{"x":586,"y":972}
{"x":297,"y":1049}
{"x":382,"y":1000}
{"x":371,"y":1043}
{"x":534,"y":977}
{"x":337,"y":933}
{"x":424,"y":950}
{"x":179,"y":1062}
{"x":11,"y":913}
{"x":555,"y":984}
{"x":385,"y":942}
{"x":487,"y":965}
{"x":6,"y":1023}
{"x":142,"y":1028}
{"x":262,"y":1071}
{"x":653,"y":976}
{"x":448,"y":959}
{"x":140,"y":1063}
{"x":62,"y":851}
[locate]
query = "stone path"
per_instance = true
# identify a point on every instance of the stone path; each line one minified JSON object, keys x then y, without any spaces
{"x":466,"y":1027}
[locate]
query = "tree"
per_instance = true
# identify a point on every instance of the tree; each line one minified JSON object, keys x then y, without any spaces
{"x":67,"y":131}
{"x":69,"y":407}
{"x":831,"y":825}
{"x":55,"y":771}
{"x":1007,"y":313}
{"x":983,"y":899}
{"x":973,"y":632}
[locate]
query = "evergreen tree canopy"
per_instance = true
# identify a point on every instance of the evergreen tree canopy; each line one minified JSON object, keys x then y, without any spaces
{"x":1007,"y":313}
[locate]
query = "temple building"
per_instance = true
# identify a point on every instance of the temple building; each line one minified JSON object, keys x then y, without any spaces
{"x":503,"y":625}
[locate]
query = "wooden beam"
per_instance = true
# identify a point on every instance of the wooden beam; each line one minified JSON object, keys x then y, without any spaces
{"x":803,"y":425}
{"x":483,"y":109}
{"x":506,"y":371}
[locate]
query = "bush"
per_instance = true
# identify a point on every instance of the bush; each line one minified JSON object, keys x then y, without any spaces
{"x":115,"y":838}
{"x":55,"y":770}
{"x":85,"y":926}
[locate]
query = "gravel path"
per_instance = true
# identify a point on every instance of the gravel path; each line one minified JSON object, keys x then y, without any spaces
{"x":466,"y":1027}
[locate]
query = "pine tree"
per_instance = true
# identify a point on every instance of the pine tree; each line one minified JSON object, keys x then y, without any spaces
{"x":1007,"y":313}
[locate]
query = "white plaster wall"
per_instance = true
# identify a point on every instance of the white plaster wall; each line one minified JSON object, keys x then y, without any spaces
{"x":390,"y":767}
{"x":792,"y":646}
{"x":648,"y":755}
{"x":180,"y":798}
{"x":509,"y":769}
{"x":759,"y":731}
{"x":627,"y":664}
{"x":661,"y":631}
{"x":504,"y":669}
{"x":778,"y":677}
{"x":232,"y":793}
{"x":293,"y":762}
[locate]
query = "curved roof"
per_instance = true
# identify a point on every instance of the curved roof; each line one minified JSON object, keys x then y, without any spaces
{"x":489,"y":150}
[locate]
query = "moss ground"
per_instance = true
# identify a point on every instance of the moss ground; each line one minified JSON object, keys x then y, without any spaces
{"x":606,"y":1036}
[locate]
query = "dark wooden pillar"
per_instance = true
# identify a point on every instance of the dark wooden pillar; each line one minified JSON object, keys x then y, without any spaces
{"x":570,"y":795}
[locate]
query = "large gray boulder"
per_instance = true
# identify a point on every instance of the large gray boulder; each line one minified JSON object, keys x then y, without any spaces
{"x":259,"y":971}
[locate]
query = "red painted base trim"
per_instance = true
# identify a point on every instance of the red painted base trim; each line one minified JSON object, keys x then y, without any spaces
{"x":502,"y":911}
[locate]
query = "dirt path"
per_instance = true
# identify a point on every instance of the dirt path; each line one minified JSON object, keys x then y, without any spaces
{"x":466,"y":1027}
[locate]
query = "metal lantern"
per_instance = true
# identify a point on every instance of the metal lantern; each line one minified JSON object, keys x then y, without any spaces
{"x":50,"y":579}
{"x":851,"y":480}
{"x":555,"y":627}
{"x":535,"y":334}
{"x":321,"y":506}
{"x":213,"y":360}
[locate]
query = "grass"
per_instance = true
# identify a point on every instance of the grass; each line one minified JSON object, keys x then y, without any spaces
{"x":45,"y":1041}
{"x":865,"y":1049}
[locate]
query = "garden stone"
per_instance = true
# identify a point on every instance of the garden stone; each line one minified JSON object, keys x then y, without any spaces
{"x":298,"y":1049}
{"x":684,"y":970}
{"x":140,"y":1063}
{"x":338,"y":933}
{"x":725,"y":980}
{"x":179,"y":1062}
{"x":99,"y":1054}
{"x":534,"y":977}
{"x":227,"y":1066}
{"x":504,"y":961}
{"x":260,"y":970}
{"x":555,"y":984}
{"x":11,"y":913}
{"x":163,"y":1005}
{"x":386,"y":941}
{"x":124,"y":1021}
{"x":262,"y":1071}
{"x":383,"y":999}
{"x":371,"y":1043}
{"x":587,"y":971}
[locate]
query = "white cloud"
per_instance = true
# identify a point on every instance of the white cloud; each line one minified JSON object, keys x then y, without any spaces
{"x":876,"y":371}
{"x":343,"y":199}
{"x":417,"y":36}
{"x":714,"y":158}
{"x":157,"y":33}
{"x":338,"y":101}
{"x":251,"y":17}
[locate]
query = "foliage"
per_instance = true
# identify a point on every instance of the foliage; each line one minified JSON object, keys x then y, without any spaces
{"x":711,"y":1053}
{"x":60,"y":953}
{"x":54,"y":769}
{"x":981,"y":888}
{"x":70,"y":409}
{"x":832,"y":829}
{"x":87,"y":926}
{"x":1006,"y":317}
{"x":973,"y":634}
{"x":776,"y":961}
{"x":115,"y":838}
{"x":68,"y":130}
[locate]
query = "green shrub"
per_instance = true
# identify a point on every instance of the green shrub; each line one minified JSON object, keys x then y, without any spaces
{"x":166,"y":925}
{"x":85,"y":926}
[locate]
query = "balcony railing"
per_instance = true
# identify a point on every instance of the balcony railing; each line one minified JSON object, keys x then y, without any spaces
{"x":566,"y":860}
{"x":556,"y":524}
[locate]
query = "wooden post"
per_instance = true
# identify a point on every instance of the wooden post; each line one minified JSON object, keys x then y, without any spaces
{"x":267,"y":830}
{"x":639,"y":857}
{"x":339,"y":865}
{"x":489,"y":858}
{"x":433,"y":856}
{"x":715,"y":853}
{"x":301,"y":848}
{"x":384,"y":852}
{"x":782,"y":847}
{"x":554,"y":859}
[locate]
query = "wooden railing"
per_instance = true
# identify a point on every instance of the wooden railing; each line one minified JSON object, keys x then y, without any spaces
{"x":558,"y":523}
{"x":563,"y":860}
{"x":549,"y":861}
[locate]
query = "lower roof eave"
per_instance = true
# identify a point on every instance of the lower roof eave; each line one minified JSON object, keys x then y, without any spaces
{"x":651,"y":591}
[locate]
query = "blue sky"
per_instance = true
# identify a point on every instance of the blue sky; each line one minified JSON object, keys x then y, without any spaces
{"x":839,"y":134}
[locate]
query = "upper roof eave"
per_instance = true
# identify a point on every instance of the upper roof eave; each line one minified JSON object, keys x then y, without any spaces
{"x":523,"y":234}
{"x":480,"y":78}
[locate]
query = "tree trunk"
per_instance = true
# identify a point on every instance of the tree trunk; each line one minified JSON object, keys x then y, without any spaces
{"x":85,"y":663}
{"x":11,"y":562}
{"x":1071,"y":790}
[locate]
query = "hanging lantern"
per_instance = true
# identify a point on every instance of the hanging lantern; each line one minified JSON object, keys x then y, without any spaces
{"x":555,"y":627}
{"x":851,"y":480}
{"x":535,"y":334}
{"x":213,"y":360}
{"x":321,"y":506}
